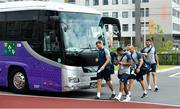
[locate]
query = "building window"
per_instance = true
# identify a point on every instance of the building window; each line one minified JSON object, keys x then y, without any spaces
{"x":146,"y":24}
{"x":105,"y":2}
{"x":125,"y":14}
{"x":176,"y":1}
{"x":147,"y":12}
{"x":124,"y":1}
{"x":176,"y":13}
{"x":145,"y":1}
{"x":142,"y":12}
{"x":125,"y":27}
{"x":114,"y":2}
{"x":133,"y":27}
{"x":115,"y":14}
{"x":95,"y":2}
{"x":133,"y":14}
{"x":87,"y":3}
{"x":133,"y":1}
{"x":176,"y":27}
{"x":105,"y":14}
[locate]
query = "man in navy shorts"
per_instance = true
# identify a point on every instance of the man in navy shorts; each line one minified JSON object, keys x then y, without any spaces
{"x":137,"y":64}
{"x":104,"y":69}
{"x":151,"y":58}
{"x":124,"y":62}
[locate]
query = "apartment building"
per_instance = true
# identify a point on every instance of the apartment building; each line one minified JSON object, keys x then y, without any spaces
{"x":164,"y":13}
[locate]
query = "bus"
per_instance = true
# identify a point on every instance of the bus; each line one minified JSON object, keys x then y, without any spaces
{"x":49,"y":46}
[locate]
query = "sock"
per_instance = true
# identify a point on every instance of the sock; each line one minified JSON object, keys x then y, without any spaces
{"x":127,"y":96}
{"x":145,"y":91}
{"x":119,"y":95}
{"x":149,"y":86}
{"x":129,"y":93}
{"x":98,"y":94}
{"x":113,"y":92}
{"x":156,"y":86}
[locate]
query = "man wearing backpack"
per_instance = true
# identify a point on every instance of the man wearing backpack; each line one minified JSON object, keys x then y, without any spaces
{"x":124,"y":62}
{"x":104,"y":69}
{"x":151,"y":58}
{"x":137,"y":64}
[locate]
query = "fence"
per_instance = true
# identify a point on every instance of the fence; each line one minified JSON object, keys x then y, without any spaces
{"x":169,"y":59}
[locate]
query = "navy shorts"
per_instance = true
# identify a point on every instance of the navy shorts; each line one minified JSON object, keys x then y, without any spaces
{"x":132,"y":76}
{"x":112,"y":69}
{"x":123,"y":77}
{"x":153,"y":67}
{"x":105,"y":74}
{"x":139,"y":76}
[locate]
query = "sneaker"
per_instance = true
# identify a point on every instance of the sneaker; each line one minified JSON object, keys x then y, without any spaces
{"x":149,"y":87}
{"x":112,"y":96}
{"x":97,"y":98}
{"x":144,"y":95}
{"x":117,"y":99}
{"x":127,"y":99}
{"x":156,"y":89}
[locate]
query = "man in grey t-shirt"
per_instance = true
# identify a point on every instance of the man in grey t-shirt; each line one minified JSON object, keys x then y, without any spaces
{"x":151,"y":58}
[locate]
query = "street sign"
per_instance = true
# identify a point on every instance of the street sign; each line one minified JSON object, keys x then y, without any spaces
{"x":10,"y":48}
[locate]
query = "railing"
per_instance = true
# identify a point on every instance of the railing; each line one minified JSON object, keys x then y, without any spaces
{"x":169,"y":59}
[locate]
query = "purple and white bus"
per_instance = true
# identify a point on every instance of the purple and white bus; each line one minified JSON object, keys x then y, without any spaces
{"x":49,"y":46}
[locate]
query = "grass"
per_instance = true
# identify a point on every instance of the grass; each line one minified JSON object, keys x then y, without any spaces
{"x":161,"y":67}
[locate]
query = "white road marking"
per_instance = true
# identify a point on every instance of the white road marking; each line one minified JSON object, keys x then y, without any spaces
{"x":175,"y":75}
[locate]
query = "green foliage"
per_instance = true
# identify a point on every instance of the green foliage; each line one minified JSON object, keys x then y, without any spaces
{"x":160,"y":43}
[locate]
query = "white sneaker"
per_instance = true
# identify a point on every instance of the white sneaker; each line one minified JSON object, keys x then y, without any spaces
{"x":149,"y":87}
{"x":117,"y":99}
{"x":127,"y":99}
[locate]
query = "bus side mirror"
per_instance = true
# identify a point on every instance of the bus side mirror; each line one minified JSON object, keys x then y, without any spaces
{"x":114,"y":22}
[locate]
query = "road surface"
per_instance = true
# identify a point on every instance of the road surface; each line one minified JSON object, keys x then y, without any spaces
{"x":168,"y":94}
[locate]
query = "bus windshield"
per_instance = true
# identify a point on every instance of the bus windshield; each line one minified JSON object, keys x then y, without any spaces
{"x":80,"y":30}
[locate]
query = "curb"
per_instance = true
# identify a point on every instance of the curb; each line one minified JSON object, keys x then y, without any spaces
{"x":160,"y":71}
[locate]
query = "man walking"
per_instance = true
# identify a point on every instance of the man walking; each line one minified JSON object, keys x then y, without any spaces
{"x":151,"y":58}
{"x":132,"y":76}
{"x":104,"y":69}
{"x":137,"y":64}
{"x":124,"y":62}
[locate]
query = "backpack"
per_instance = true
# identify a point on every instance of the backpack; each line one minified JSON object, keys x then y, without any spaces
{"x":145,"y":68}
{"x":142,"y":51}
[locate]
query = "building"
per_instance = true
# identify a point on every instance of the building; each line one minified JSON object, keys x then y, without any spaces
{"x":156,"y":16}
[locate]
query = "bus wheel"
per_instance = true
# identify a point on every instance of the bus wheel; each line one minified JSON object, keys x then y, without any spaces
{"x":18,"y":81}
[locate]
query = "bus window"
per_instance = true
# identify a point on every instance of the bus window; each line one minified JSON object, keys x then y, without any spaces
{"x":2,"y":25}
{"x":50,"y":32}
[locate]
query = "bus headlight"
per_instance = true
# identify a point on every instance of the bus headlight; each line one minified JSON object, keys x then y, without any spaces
{"x":73,"y":79}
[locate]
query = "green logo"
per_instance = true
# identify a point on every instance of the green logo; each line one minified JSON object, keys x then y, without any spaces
{"x":10,"y":48}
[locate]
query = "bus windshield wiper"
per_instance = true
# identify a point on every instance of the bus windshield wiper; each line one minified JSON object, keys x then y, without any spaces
{"x":86,"y":48}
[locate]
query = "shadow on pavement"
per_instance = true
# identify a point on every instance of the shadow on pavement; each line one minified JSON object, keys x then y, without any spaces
{"x":70,"y":94}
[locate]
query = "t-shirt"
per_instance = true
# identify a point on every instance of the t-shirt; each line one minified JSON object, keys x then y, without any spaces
{"x":136,"y":57}
{"x":102,"y":54}
{"x":124,"y":58}
{"x":128,"y":52}
{"x":150,"y":58}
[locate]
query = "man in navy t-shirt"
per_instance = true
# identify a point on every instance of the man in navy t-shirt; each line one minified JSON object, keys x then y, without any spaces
{"x":104,"y":69}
